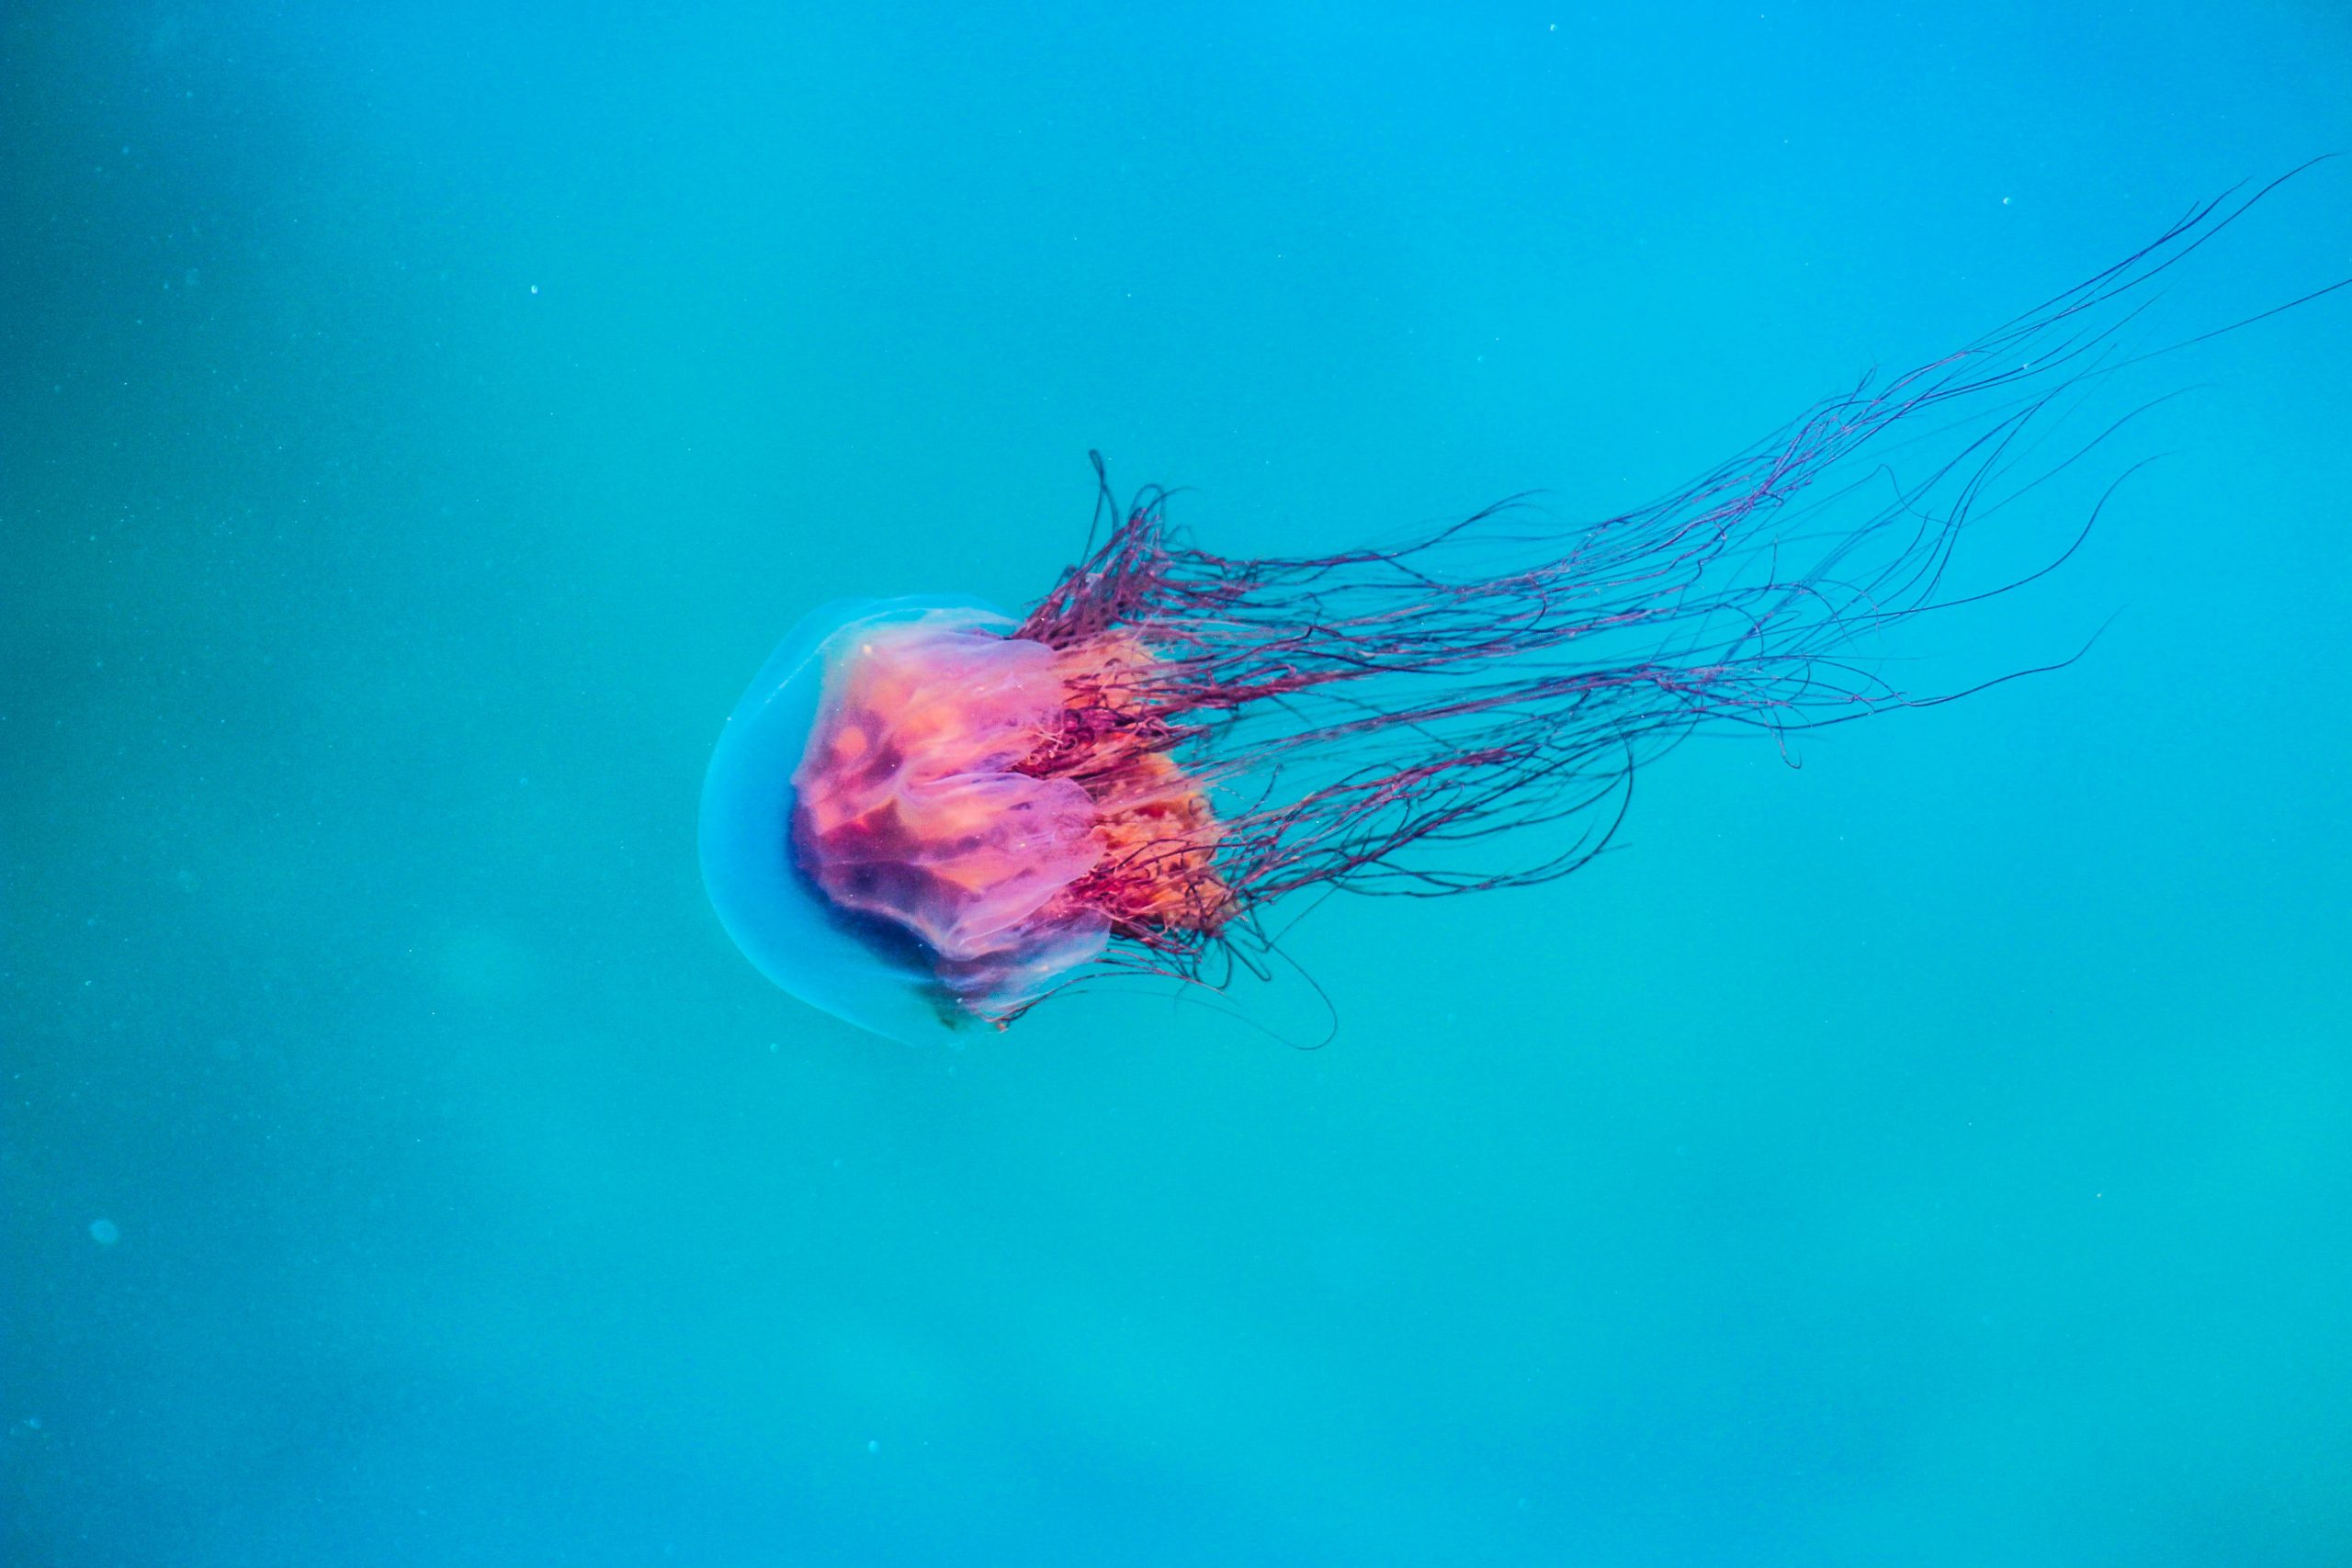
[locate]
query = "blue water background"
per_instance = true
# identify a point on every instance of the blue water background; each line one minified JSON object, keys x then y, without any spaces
{"x":420,"y":422}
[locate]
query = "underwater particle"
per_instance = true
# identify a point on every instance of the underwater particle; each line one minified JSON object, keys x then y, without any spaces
{"x":104,"y":1232}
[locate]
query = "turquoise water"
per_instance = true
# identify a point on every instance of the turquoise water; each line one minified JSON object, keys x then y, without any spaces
{"x":421,"y":422}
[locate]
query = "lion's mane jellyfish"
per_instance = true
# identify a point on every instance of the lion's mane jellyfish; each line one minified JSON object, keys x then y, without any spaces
{"x":927,"y":812}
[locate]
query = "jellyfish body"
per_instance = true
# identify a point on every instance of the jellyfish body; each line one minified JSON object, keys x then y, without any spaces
{"x":926,"y":813}
{"x":858,"y":969}
{"x":916,"y":818}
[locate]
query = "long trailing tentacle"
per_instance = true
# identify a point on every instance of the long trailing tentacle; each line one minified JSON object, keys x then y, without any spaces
{"x":1365,"y":720}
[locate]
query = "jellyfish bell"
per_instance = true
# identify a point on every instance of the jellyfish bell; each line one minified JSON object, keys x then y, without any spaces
{"x":917,"y":818}
{"x":856,"y":969}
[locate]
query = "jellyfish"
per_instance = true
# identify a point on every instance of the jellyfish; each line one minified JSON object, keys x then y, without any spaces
{"x":928,"y":813}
